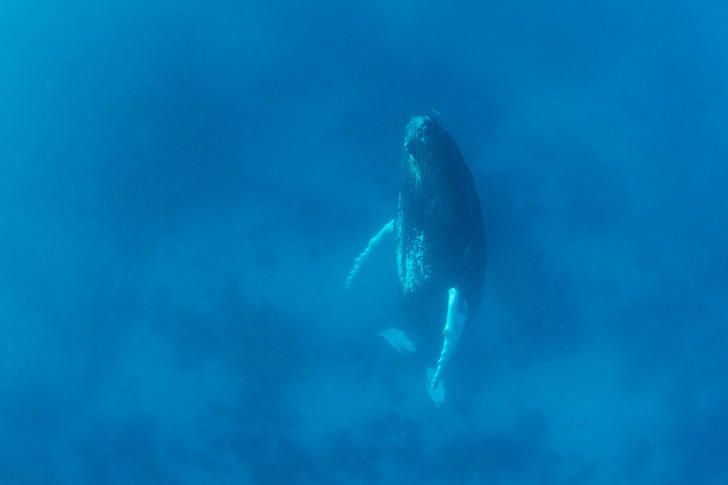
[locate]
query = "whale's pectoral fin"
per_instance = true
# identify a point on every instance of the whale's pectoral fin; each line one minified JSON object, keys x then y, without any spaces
{"x":457,"y":312}
{"x":376,"y":245}
{"x":437,"y":393}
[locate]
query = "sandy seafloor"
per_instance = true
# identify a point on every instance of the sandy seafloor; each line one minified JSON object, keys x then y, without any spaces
{"x":185,"y":185}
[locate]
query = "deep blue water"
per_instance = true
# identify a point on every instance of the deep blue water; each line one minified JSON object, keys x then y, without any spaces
{"x":185,"y":185}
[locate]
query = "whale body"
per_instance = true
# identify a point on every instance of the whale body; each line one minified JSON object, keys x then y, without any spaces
{"x":438,"y":233}
{"x":438,"y":228}
{"x":438,"y":238}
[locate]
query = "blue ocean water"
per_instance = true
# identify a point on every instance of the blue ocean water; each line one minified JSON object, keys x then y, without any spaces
{"x":184,"y":187}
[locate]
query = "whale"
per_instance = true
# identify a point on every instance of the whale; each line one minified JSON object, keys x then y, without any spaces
{"x":437,"y":238}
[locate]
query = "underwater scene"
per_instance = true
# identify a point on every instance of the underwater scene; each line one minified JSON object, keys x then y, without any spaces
{"x":363,"y":242}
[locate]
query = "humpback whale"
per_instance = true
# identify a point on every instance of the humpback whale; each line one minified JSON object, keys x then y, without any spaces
{"x":438,"y":241}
